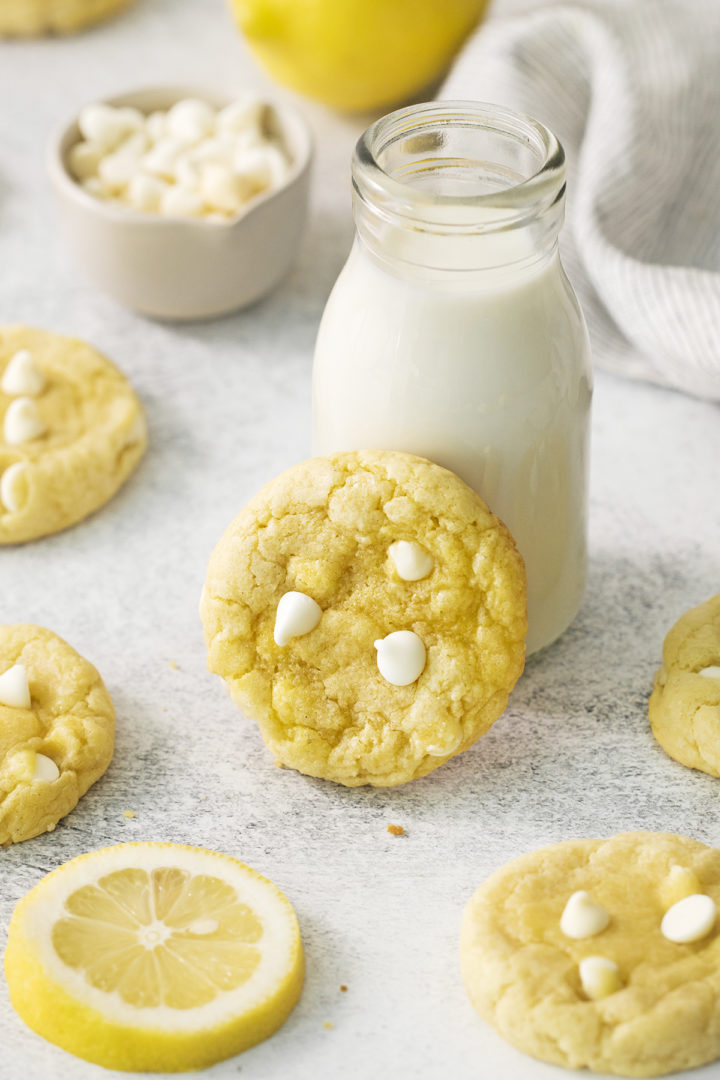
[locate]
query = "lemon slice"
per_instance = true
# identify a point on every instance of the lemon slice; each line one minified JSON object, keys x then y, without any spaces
{"x":154,"y":957}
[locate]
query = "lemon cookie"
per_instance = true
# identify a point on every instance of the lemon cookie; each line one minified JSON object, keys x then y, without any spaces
{"x":368,"y":610}
{"x":601,"y":954}
{"x":71,"y":432}
{"x":684,"y":706}
{"x":29,"y":18}
{"x":57,"y":726}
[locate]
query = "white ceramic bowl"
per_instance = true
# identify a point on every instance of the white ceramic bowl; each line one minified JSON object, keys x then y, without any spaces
{"x":176,"y":268}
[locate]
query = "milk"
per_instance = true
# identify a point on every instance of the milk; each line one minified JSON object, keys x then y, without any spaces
{"x":483,"y":369}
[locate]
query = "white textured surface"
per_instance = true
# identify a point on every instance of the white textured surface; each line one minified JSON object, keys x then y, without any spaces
{"x":228,"y":405}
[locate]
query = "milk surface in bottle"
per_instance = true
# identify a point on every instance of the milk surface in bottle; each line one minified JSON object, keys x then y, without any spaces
{"x":453,"y":332}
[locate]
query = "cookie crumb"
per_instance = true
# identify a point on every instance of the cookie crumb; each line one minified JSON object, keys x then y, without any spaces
{"x":343,"y":988}
{"x":129,"y":813}
{"x":396,"y":830}
{"x":174,"y":666}
{"x":328,"y":1026}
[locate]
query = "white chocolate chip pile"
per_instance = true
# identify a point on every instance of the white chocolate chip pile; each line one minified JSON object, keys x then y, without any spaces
{"x":582,"y":917}
{"x":191,"y":161}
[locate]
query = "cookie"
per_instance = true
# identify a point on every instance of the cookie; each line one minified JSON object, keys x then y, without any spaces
{"x":684,"y":706}
{"x":57,"y":730}
{"x":30,"y":18}
{"x":368,"y":610}
{"x":71,"y":432}
{"x":601,"y":954}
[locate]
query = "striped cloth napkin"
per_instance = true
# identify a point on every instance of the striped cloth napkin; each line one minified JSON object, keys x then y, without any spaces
{"x":632,"y":89}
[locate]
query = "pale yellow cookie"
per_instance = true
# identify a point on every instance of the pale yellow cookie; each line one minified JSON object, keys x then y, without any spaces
{"x":56,"y":742}
{"x":626,"y":1000}
{"x":684,"y":706}
{"x":71,"y":432}
{"x":336,"y":697}
{"x":30,"y":18}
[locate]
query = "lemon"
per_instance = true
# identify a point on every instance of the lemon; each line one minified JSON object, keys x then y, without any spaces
{"x":356,"y":54}
{"x":154,"y":957}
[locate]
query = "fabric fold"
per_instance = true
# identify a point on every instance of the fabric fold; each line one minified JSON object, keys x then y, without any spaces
{"x":632,"y":89}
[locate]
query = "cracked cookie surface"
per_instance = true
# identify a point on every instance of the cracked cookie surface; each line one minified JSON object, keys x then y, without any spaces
{"x":684,"y":706}
{"x":94,"y":435}
{"x":30,"y":18}
{"x":521,"y":971}
{"x":324,"y":528}
{"x":71,"y":720}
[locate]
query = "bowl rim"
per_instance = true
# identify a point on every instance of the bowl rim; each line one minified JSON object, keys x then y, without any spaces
{"x":67,"y":135}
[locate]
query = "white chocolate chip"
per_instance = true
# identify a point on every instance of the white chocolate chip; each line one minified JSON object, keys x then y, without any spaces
{"x":241,"y":115}
{"x":260,"y":168}
{"x":156,"y":126}
{"x":599,"y":976}
{"x":22,"y":376}
{"x":133,"y":119}
{"x":438,"y":750}
{"x":296,"y":615}
{"x":712,"y":672}
{"x":401,"y":657}
{"x":95,"y":187}
{"x":14,"y":687}
{"x":106,"y":126}
{"x":13,"y":487}
{"x":117,"y":169}
{"x":412,"y":561}
{"x":181,"y":202}
{"x":217,"y":150}
{"x":191,"y":119}
{"x":582,"y":917}
{"x":85,"y":159}
{"x":45,"y":769}
{"x":221,"y":189}
{"x":679,"y":883}
{"x":162,"y":159}
{"x":146,"y":192}
{"x":186,"y":173}
{"x":203,"y":926}
{"x":690,"y":919}
{"x":22,"y":423}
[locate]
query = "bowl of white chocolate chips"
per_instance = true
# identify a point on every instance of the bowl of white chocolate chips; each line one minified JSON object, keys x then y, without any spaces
{"x":183,"y":205}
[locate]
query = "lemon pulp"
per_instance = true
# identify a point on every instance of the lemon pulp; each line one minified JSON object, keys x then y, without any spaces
{"x":140,"y":935}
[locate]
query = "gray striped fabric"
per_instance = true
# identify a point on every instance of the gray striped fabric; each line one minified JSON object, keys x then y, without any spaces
{"x":632,"y":89}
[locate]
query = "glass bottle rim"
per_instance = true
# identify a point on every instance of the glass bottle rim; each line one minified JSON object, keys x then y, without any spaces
{"x":511,"y":206}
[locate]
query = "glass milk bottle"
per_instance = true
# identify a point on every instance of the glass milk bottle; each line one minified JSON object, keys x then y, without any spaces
{"x":452,"y":331}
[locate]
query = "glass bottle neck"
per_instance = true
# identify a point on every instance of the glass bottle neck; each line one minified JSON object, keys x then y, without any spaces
{"x":458,"y":188}
{"x":409,"y":250}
